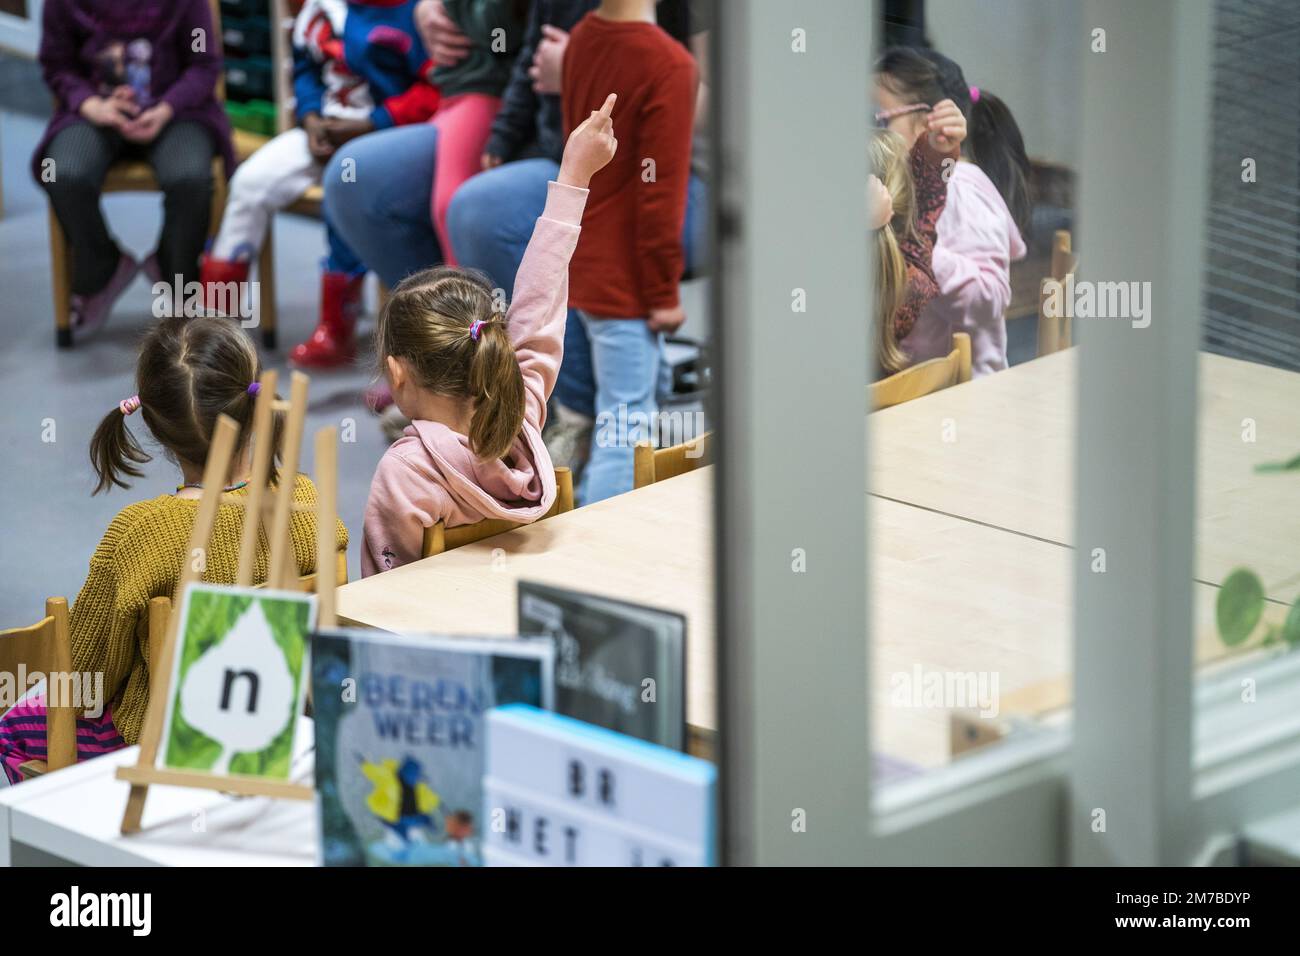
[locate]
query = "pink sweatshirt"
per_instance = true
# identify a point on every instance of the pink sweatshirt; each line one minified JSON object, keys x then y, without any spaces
{"x":978,"y":241}
{"x":430,"y":474}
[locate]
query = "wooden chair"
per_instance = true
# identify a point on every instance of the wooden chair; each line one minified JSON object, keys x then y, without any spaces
{"x":1055,"y":332}
{"x":922,"y":379}
{"x":131,"y":176}
{"x":650,"y":464}
{"x":438,"y":539}
{"x":46,"y":647}
{"x":160,"y":608}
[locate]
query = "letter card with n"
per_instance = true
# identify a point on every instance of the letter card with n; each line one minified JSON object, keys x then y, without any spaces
{"x":238,"y":681}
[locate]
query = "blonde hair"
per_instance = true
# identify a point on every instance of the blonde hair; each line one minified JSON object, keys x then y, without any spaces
{"x":888,"y":156}
{"x":429,"y":321}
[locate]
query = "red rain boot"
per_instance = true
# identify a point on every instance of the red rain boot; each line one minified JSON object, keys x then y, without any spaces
{"x":333,"y":344}
{"x":218,"y":297}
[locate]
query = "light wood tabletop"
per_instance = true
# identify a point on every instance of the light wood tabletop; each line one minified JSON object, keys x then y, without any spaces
{"x":651,"y":546}
{"x":1000,"y":450}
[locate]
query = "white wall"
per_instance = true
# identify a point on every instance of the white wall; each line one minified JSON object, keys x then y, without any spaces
{"x":1025,"y":51}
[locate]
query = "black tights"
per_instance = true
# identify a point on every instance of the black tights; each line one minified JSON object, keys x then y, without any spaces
{"x":181,"y":158}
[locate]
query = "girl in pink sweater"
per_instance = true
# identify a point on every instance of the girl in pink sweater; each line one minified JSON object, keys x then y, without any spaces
{"x":988,"y":206}
{"x":474,"y":382}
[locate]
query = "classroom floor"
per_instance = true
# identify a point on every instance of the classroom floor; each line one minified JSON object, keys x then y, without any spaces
{"x":50,"y":524}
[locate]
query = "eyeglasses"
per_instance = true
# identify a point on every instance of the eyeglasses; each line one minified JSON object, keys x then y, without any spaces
{"x":883,"y":117}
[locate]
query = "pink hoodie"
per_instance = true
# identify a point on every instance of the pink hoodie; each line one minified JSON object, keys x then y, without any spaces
{"x":978,"y":241}
{"x":430,"y":474}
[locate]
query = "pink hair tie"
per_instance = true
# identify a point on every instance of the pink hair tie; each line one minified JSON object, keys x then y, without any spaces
{"x":974,"y":94}
{"x":474,"y":328}
{"x":127,"y":405}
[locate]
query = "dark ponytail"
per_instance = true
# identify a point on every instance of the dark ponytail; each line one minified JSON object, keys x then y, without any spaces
{"x":993,"y":140}
{"x":114,"y":452}
{"x":497,"y":389}
{"x":995,"y":145}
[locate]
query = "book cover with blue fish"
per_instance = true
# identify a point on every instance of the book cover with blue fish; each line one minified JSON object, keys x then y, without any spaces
{"x":400,"y":728}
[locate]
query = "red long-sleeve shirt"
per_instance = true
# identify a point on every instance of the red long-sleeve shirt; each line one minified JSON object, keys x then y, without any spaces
{"x":629,"y":257}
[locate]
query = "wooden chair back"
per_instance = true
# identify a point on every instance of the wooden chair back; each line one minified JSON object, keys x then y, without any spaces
{"x":438,"y":538}
{"x":650,"y":464}
{"x":46,"y":647}
{"x":1055,"y":331}
{"x":922,"y":379}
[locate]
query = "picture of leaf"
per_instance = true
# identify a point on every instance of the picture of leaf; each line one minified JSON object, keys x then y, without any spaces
{"x":1239,"y":606}
{"x":211,"y":616}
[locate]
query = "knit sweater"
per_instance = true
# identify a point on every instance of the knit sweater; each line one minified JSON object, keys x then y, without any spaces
{"x":139,"y":558}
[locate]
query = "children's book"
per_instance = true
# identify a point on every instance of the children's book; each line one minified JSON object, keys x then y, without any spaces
{"x":237,"y":682}
{"x":617,"y":665}
{"x":400,"y":727}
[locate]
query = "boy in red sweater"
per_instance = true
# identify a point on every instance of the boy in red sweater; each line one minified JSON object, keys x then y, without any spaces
{"x":624,"y":274}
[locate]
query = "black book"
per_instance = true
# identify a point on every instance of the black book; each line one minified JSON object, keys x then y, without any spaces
{"x":617,"y":665}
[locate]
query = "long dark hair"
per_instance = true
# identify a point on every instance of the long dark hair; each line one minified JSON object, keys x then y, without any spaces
{"x":190,"y":370}
{"x":993,"y":142}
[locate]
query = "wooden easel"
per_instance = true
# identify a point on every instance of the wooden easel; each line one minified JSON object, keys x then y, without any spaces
{"x":282,"y":573}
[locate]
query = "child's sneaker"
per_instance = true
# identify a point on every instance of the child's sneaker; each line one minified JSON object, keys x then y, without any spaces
{"x":88,"y":313}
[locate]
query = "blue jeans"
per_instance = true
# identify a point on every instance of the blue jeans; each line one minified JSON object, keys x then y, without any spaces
{"x":379,"y":202}
{"x":626,"y":357}
{"x":490,"y":222}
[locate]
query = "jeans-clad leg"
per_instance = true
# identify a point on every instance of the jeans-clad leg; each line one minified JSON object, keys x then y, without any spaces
{"x":625,"y":358}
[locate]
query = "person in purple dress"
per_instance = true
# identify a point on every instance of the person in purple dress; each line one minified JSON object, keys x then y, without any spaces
{"x":130,"y":81}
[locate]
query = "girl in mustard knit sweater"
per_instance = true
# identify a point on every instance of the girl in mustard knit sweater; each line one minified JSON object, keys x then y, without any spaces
{"x":189,"y":372}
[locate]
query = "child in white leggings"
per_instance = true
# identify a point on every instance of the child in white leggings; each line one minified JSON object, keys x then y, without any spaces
{"x":358,"y":66}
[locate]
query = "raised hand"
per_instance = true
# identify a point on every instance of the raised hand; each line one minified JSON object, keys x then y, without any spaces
{"x":946,"y":127}
{"x":590,"y":147}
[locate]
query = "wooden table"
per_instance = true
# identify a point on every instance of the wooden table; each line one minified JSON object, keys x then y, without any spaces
{"x":651,"y":546}
{"x":971,"y":557}
{"x":1011,"y":461}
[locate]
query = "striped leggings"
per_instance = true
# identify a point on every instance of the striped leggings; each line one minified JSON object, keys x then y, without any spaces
{"x":181,"y":158}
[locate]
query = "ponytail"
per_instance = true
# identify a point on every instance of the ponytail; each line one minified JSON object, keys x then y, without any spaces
{"x":497,"y":390}
{"x":114,"y":452}
{"x":995,"y":145}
